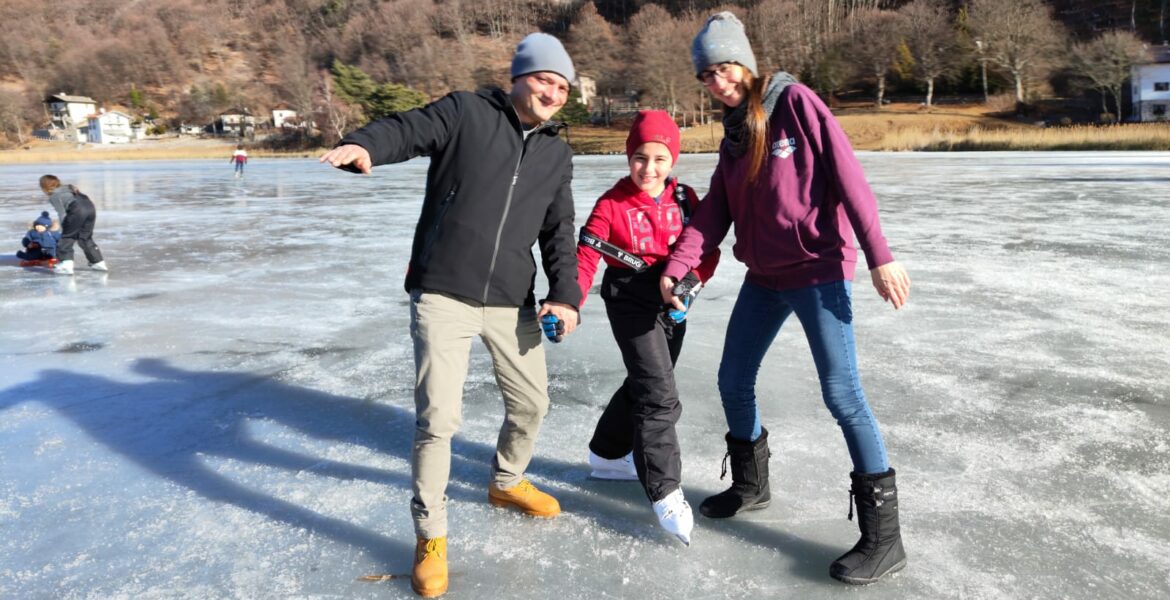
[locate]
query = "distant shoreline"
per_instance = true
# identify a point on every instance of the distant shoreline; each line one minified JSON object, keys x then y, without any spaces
{"x":897,"y":128}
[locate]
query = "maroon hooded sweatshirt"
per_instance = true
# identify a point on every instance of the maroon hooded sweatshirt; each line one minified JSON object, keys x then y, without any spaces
{"x":794,"y":228}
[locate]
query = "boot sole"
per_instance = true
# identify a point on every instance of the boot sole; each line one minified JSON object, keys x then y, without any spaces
{"x":428,"y":593}
{"x":866,"y":581}
{"x":497,"y":502}
{"x":756,"y":506}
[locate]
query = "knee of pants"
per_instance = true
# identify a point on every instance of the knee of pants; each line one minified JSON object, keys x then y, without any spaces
{"x":733,"y":384}
{"x":847,"y":405}
{"x":528,"y":412}
{"x":434,"y":427}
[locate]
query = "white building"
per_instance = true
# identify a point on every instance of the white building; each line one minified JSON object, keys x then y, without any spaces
{"x":1150,"y":83}
{"x":238,"y":122}
{"x":111,"y":127}
{"x":284,"y":116}
{"x":70,"y":114}
{"x":587,"y":86}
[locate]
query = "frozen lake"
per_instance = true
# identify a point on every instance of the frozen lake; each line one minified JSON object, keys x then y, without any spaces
{"x":228,"y":413}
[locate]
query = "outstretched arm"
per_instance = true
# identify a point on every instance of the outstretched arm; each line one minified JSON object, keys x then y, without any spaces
{"x":397,"y":138}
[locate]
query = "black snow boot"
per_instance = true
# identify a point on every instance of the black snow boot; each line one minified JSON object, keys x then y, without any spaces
{"x":749,"y":479}
{"x":879,"y":551}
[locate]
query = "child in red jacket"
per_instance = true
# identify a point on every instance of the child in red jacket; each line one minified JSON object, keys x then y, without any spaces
{"x":633,"y":226}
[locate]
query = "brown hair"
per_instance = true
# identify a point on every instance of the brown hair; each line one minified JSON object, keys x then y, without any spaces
{"x":756,"y":124}
{"x":49,"y":182}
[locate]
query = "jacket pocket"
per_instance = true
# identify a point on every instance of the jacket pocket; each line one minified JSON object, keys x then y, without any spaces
{"x":436,"y":225}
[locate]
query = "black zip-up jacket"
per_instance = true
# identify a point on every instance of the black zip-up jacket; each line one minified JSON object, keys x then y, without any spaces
{"x":490,"y":196}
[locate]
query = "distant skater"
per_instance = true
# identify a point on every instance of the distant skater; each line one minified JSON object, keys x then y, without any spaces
{"x":633,"y":226}
{"x":239,"y":159}
{"x":77,"y":215}
{"x":788,"y":181}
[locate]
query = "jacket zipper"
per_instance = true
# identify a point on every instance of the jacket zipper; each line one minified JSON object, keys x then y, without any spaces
{"x":507,"y":206}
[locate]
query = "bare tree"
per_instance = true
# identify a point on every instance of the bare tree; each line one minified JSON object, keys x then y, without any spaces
{"x":875,"y":47}
{"x":932,"y":41}
{"x":595,"y":49}
{"x":1106,"y":61}
{"x":1018,"y":36}
{"x":333,"y":115}
{"x":660,"y":65}
{"x":16,"y":112}
{"x":782,"y":36}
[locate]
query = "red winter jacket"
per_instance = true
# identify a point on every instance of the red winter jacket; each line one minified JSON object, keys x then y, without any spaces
{"x":630,"y":219}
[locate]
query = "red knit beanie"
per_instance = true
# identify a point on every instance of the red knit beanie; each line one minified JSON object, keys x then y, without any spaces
{"x":653,"y":126}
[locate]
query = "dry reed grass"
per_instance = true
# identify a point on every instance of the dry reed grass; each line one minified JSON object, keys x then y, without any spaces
{"x":1132,"y":136}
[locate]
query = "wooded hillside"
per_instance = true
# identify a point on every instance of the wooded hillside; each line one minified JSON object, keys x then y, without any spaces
{"x":185,"y":60}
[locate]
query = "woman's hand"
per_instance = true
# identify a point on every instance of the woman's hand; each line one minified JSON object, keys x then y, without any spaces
{"x":666,"y":286}
{"x":892,"y":283}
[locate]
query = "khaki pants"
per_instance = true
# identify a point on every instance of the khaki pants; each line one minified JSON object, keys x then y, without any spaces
{"x":442,"y":328}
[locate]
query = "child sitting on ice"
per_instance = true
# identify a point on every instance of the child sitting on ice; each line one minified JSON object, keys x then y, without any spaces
{"x":40,"y":243}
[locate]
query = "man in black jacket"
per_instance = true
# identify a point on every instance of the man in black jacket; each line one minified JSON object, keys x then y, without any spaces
{"x":498,"y":182}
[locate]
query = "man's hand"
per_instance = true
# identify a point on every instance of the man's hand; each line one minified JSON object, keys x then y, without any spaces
{"x":563,"y":312}
{"x":892,"y":283}
{"x":349,"y":154}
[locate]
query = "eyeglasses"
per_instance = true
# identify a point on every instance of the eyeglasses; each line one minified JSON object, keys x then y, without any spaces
{"x":722,"y":71}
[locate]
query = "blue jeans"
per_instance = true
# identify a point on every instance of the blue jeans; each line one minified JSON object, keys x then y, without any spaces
{"x":826,"y":314}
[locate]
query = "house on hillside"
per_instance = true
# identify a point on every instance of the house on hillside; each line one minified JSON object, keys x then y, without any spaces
{"x":237,"y":122}
{"x":1150,"y":86}
{"x":587,"y":86}
{"x":284,"y":116}
{"x":69,"y":115}
{"x":111,"y":127}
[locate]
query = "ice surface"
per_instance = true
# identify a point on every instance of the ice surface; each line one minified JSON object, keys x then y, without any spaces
{"x":228,"y":413}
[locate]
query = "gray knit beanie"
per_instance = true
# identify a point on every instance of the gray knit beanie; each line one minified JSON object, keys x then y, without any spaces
{"x":721,"y":40}
{"x":542,"y":52}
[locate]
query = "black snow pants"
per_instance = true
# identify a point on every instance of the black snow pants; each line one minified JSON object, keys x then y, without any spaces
{"x":642,"y":413}
{"x":78,"y":228}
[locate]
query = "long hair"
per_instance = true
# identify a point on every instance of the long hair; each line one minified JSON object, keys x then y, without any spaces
{"x":49,"y":182}
{"x":756,"y":124}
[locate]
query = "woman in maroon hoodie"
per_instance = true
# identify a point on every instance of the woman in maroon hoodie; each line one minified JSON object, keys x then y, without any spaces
{"x":633,"y":226}
{"x":788,"y":181}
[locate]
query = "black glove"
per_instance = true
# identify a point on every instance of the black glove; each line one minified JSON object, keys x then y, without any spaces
{"x":686,"y":291}
{"x":554,"y":328}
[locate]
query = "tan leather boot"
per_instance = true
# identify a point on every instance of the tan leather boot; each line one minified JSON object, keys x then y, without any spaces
{"x":525,"y":497}
{"x":429,"y":577}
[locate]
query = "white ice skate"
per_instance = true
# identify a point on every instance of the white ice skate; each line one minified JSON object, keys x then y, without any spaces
{"x":100,"y":266}
{"x":674,"y":514}
{"x":621,"y":469}
{"x":64,"y":267}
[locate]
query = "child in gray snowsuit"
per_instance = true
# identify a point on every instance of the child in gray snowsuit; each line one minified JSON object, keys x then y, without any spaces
{"x":77,"y":215}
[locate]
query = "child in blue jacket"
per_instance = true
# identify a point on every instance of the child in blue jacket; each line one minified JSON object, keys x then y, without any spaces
{"x":40,"y":243}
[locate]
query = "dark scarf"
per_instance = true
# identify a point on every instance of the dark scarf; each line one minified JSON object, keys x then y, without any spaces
{"x":735,"y":120}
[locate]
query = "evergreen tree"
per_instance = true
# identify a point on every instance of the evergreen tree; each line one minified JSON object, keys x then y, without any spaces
{"x":352,"y":84}
{"x":390,"y":98}
{"x":355,"y":87}
{"x":574,"y":112}
{"x":135,"y":97}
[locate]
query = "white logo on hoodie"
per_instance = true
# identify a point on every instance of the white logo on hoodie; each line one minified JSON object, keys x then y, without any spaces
{"x":784,"y":148}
